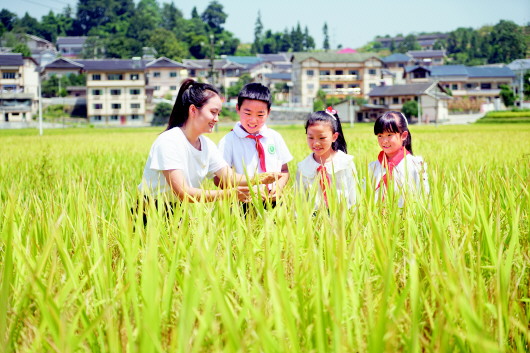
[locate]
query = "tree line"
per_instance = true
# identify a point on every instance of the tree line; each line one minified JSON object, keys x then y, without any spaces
{"x":121,"y":29}
{"x":502,"y":43}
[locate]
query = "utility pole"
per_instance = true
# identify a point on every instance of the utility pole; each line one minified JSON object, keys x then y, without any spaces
{"x":212,"y":57}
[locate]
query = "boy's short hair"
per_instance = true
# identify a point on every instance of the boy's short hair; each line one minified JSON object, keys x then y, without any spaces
{"x":255,"y":91}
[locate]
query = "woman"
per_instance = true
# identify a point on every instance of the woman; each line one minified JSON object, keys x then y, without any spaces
{"x":181,"y":158}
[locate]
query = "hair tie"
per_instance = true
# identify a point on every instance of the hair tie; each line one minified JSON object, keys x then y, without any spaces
{"x":331,"y":112}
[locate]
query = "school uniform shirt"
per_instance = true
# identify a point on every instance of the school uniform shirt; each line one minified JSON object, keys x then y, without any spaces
{"x":172,"y":150}
{"x":341,"y":169}
{"x":240,"y":152}
{"x":409,"y":175}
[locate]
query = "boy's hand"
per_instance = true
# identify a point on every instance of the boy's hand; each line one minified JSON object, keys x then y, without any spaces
{"x":268,"y":178}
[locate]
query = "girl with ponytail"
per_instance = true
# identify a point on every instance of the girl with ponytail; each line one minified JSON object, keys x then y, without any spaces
{"x":328,"y":165}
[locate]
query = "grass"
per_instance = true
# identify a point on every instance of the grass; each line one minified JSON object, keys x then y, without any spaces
{"x":78,"y":273}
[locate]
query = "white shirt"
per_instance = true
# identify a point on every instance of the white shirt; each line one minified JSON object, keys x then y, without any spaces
{"x":240,"y":152}
{"x":172,"y":150}
{"x":341,"y":169}
{"x":410,"y":175}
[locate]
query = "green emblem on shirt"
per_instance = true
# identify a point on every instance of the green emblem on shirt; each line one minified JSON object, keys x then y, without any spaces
{"x":271,"y":149}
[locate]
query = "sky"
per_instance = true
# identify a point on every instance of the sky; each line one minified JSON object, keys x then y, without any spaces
{"x":351,"y":23}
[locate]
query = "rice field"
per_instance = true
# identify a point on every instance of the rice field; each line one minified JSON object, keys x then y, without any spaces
{"x":79,"y":273}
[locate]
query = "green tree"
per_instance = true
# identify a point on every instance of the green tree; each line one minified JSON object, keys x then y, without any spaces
{"x":506,"y":43}
{"x":410,"y":109}
{"x":161,"y":114}
{"x":214,"y":16}
{"x":8,"y":19}
{"x":257,"y":46}
{"x":325,"y":45}
{"x":28,"y":24}
{"x":507,"y":95}
{"x":22,"y":48}
{"x":166,"y":44}
{"x":409,"y":43}
{"x":297,"y":38}
{"x":309,"y":42}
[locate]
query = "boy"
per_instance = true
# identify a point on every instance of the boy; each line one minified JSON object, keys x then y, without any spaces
{"x":251,"y":146}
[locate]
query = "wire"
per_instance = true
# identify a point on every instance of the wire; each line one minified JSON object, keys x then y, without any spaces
{"x":47,"y":6}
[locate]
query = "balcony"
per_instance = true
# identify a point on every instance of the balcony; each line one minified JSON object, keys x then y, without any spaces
{"x":339,"y":77}
{"x":342,"y":91}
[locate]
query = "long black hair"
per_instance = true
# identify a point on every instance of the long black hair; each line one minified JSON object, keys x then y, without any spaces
{"x":330,"y":117}
{"x":394,"y":122}
{"x":190,"y":92}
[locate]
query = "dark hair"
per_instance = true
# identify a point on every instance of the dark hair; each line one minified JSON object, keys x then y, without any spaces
{"x":394,"y":122}
{"x":333,"y":120}
{"x":255,"y":91}
{"x":190,"y":92}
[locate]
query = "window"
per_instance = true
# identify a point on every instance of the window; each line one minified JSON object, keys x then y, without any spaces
{"x":9,"y":75}
{"x":454,"y":86}
{"x":115,"y":77}
{"x":157,"y":88}
{"x":98,"y":106}
{"x":135,"y":117}
{"x":339,"y":86}
{"x":469,"y":85}
{"x":113,"y":117}
{"x":135,"y":76}
{"x":135,"y":105}
{"x":382,"y":101}
{"x":325,"y":72}
{"x":134,"y":91}
{"x":353,"y":72}
{"x":115,"y":92}
{"x":324,"y":86}
{"x":372,"y":85}
{"x":96,"y":118}
{"x":96,"y":92}
{"x":173,"y":74}
{"x":173,"y":88}
{"x":192,"y":73}
{"x":310,"y":86}
{"x":401,"y":65}
{"x":395,"y":100}
{"x":485,"y":86}
{"x":339,"y":72}
{"x":156,"y":74}
{"x":116,"y":105}
{"x":96,"y":77}
{"x":353,"y":85}
{"x":310,"y":72}
{"x":372,"y":72}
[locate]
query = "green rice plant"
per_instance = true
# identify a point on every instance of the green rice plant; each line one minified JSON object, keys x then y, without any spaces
{"x":80,"y":272}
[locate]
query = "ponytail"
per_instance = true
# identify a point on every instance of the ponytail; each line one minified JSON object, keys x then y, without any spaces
{"x":190,"y":93}
{"x":329,"y":116}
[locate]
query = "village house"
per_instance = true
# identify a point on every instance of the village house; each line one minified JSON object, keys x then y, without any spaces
{"x":432,"y":100}
{"x":70,"y":47}
{"x":477,"y":82}
{"x":19,"y":80}
{"x":426,"y":41}
{"x":165,"y":76}
{"x":338,"y":75}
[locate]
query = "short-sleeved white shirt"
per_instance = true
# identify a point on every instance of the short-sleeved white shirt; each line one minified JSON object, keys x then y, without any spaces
{"x":240,"y":152}
{"x":172,"y":150}
{"x":410,"y":175}
{"x":341,"y":169}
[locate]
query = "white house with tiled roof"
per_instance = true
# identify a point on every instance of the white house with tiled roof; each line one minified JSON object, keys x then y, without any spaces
{"x":19,"y":80}
{"x":165,"y":76}
{"x":339,"y":75}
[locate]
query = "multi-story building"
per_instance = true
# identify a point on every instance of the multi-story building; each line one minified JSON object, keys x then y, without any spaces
{"x":165,"y":76}
{"x":426,"y":41}
{"x":338,"y":75}
{"x":428,"y":57}
{"x":71,"y":47}
{"x":477,"y":82}
{"x":226,"y":73}
{"x":19,"y":80}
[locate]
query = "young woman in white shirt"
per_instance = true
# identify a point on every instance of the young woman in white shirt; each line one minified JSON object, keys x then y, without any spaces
{"x":181,"y":157}
{"x":396,"y":162}
{"x":328,"y":167}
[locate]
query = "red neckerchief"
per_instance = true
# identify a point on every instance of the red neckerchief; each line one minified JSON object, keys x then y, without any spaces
{"x":324,"y":181}
{"x":390,"y":164}
{"x":261,"y":151}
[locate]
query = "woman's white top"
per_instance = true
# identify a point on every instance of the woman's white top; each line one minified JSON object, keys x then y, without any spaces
{"x":172,"y":151}
{"x":409,"y":176}
{"x":341,"y":170}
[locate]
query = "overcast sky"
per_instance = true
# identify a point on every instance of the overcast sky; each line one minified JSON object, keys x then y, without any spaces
{"x":351,"y":23}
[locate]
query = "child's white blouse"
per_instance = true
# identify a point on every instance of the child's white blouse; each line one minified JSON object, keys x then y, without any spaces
{"x":341,"y":170}
{"x":410,"y":176}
